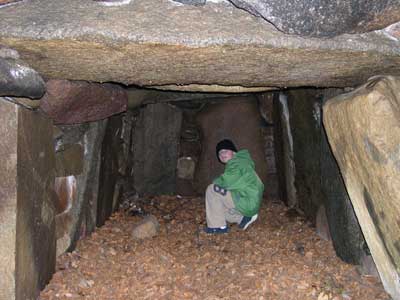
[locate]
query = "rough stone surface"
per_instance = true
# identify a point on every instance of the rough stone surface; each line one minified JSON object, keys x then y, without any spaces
{"x":192,"y":2}
{"x":146,"y":228}
{"x":266,"y":107}
{"x":137,"y":96}
{"x":321,"y":224}
{"x":24,"y":102}
{"x":36,"y":246}
{"x":65,"y":135}
{"x":88,"y":182}
{"x":8,"y":206}
{"x":238,"y":120}
{"x":156,"y":140}
{"x":346,"y":233}
{"x":186,"y":167}
{"x":305,"y":126}
{"x":284,"y":151}
{"x":27,"y":235}
{"x":18,"y":79}
{"x":317,"y":177}
{"x":71,"y":102}
{"x":363,"y":130}
{"x":69,"y":161}
{"x":78,"y":195}
{"x":83,"y":40}
{"x":189,"y":148}
{"x":66,"y":191}
{"x":109,"y":169}
{"x":367,"y":266}
{"x":322,"y":18}
{"x":8,"y":2}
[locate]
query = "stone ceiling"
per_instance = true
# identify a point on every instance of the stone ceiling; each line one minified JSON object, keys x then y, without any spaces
{"x":164,"y":44}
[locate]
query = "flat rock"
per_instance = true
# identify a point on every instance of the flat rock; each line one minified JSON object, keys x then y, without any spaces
{"x":363,"y":128}
{"x":321,"y":18}
{"x":72,"y":102}
{"x":216,"y":44}
{"x":146,"y":228}
{"x":155,"y":149}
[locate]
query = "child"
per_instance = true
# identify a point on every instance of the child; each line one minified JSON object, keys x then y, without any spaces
{"x":235,"y":196}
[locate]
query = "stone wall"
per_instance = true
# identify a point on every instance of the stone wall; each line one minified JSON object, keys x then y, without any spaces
{"x":317,"y":178}
{"x":364,"y":130}
{"x":89,"y":189}
{"x":27,"y":235}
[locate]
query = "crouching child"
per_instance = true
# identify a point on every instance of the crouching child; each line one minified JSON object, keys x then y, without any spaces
{"x":236,"y":195}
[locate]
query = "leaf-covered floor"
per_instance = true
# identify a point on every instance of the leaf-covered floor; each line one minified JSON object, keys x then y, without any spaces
{"x":278,"y":257}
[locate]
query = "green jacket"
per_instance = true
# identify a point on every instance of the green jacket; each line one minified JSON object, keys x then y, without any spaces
{"x":241,"y":179}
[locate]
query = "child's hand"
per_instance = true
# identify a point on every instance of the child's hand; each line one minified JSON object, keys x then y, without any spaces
{"x":220,"y":190}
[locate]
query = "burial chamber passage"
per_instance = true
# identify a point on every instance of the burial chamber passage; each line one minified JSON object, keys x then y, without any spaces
{"x":168,"y":148}
{"x":91,"y":93}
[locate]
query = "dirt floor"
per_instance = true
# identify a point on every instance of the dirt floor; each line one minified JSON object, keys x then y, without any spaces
{"x":278,"y":257}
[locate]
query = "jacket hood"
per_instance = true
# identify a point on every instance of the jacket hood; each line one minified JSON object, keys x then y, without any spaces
{"x":243,"y":156}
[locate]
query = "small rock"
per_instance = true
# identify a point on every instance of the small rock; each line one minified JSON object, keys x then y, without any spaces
{"x":323,"y":296}
{"x":146,"y":228}
{"x":86,"y":283}
{"x":309,"y":255}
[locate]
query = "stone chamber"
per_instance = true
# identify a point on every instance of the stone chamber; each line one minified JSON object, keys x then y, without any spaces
{"x":106,"y":101}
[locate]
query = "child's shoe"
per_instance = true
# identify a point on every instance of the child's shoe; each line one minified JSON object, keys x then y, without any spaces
{"x":216,"y":230}
{"x":246,"y":221}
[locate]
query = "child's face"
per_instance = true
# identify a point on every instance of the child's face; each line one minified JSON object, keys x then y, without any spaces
{"x":225,"y":155}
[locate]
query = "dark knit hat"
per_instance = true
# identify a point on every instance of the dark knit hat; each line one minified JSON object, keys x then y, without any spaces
{"x":225,"y":144}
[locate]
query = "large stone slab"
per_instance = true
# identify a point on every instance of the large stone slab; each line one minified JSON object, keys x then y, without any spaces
{"x":364,"y":132}
{"x":77,"y":196}
{"x":111,"y":150}
{"x":72,"y":102}
{"x":155,"y":141}
{"x":324,"y":18}
{"x":27,"y":226}
{"x":309,"y":175}
{"x":8,"y":207}
{"x":284,"y":151}
{"x":84,"y":40}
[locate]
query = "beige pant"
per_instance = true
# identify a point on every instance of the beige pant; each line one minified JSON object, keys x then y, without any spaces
{"x":220,"y":208}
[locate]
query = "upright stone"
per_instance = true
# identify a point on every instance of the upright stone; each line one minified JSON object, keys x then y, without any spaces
{"x":83,"y":212}
{"x":27,"y":227}
{"x":363,"y":128}
{"x":111,"y":150}
{"x":156,"y":140}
